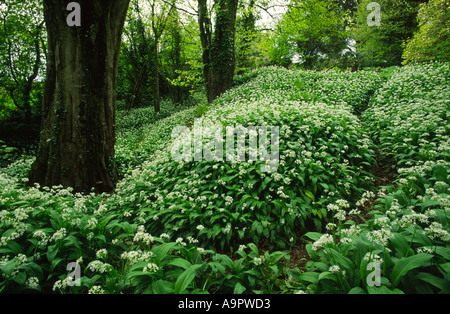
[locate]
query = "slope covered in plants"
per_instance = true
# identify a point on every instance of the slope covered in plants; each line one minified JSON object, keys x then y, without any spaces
{"x":223,"y":226}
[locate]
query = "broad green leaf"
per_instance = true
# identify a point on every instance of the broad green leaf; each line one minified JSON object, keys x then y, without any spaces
{"x":186,"y":278}
{"x":51,"y":252}
{"x":226,"y":260}
{"x":357,"y":290}
{"x":327,"y":275}
{"x":313,"y":235}
{"x":404,"y":265}
{"x":162,"y":250}
{"x":161,"y":287}
{"x":311,"y":277}
{"x":440,"y":173}
{"x":20,"y":278}
{"x":253,"y":247}
{"x":441,"y":283}
{"x":310,"y":195}
{"x":275,"y":257}
{"x":401,"y":245}
{"x":341,"y":260}
{"x":180,"y":262}
{"x":15,"y":247}
{"x":383,"y":290}
{"x":239,"y":288}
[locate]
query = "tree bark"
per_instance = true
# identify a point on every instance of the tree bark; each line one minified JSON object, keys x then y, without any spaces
{"x":77,"y":138}
{"x":157,"y":95}
{"x":204,"y":22}
{"x":218,"y":51}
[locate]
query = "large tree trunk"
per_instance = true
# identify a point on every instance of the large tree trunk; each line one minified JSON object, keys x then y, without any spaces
{"x":78,"y":114}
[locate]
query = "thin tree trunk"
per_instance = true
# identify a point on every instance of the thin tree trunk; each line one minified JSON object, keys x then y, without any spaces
{"x":29,"y":83}
{"x":204,"y":22}
{"x":76,"y":147}
{"x":157,"y":94}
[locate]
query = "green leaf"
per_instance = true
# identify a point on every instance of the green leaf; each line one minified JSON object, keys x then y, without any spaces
{"x":253,"y":247}
{"x":327,"y":275}
{"x":311,"y":277}
{"x":440,"y":173}
{"x":313,"y":235}
{"x":226,"y":260}
{"x":15,"y":247}
{"x":20,"y":278}
{"x":161,"y":287}
{"x":51,"y":253}
{"x":404,"y":265}
{"x":274,"y":268}
{"x":441,"y":283}
{"x":33,"y":270}
{"x":357,"y":290}
{"x":442,"y":251}
{"x":310,"y":195}
{"x":216,"y":266}
{"x":55,"y":263}
{"x":383,"y":290}
{"x":239,"y":289}
{"x":445,"y":268}
{"x":341,"y":260}
{"x":162,"y":250}
{"x":9,"y":267}
{"x":275,"y":257}
{"x":180,"y":262}
{"x":186,"y":278}
{"x":401,"y":245}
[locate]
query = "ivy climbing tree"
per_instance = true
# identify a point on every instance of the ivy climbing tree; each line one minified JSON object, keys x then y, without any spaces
{"x":218,"y":45}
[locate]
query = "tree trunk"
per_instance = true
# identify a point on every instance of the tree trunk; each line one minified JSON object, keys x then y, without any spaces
{"x":29,"y":82}
{"x":157,"y":94}
{"x":204,"y":22}
{"x":218,"y":52}
{"x":76,"y":147}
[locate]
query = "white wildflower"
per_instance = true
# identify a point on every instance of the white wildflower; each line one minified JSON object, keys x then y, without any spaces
{"x":323,"y":240}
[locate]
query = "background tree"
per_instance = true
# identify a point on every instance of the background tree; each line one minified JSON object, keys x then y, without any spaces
{"x":432,"y":40}
{"x":187,"y":76}
{"x":76,"y":147}
{"x":312,"y":33}
{"x":218,"y":45}
{"x":246,"y":34}
{"x":383,"y":45}
{"x":22,"y":61}
{"x":159,"y":12}
{"x":172,"y":46}
{"x":136,"y":61}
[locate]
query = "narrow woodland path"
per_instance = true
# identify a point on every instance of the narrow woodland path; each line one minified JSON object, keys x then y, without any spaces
{"x":384,"y":173}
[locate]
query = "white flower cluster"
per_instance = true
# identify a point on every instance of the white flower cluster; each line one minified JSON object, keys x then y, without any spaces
{"x":151,"y":268}
{"x":99,"y":266}
{"x":136,"y":256}
{"x":142,"y":236}
{"x":322,"y":242}
{"x":380,"y":236}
